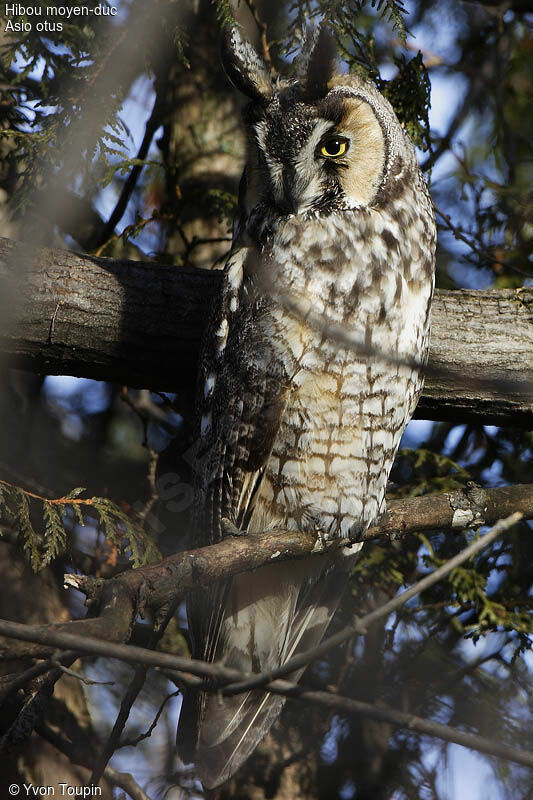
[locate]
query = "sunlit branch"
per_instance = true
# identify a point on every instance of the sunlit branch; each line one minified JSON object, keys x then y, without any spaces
{"x":221,"y":674}
{"x":262,"y":28}
{"x":159,"y":586}
{"x":361,"y":625}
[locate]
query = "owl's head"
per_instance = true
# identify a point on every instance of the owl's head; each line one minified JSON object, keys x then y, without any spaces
{"x":319,"y":143}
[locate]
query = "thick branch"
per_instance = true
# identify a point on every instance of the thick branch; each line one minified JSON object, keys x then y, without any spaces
{"x":140,"y":324}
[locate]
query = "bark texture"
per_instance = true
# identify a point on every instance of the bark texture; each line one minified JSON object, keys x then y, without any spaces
{"x":141,"y":323}
{"x":160,"y":586}
{"x":484,"y":337}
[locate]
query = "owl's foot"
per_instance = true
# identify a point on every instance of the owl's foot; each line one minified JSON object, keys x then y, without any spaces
{"x":228,"y":528}
{"x":357,"y":533}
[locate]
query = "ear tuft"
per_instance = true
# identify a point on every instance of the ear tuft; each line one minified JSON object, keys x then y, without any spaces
{"x":322,"y":63}
{"x":244,"y":67}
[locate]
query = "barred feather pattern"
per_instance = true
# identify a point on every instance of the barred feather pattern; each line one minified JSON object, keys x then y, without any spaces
{"x":296,"y":430}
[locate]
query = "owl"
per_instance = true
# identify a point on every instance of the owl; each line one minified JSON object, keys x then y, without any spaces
{"x":296,"y":428}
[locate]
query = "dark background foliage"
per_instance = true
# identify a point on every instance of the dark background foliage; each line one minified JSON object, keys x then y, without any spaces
{"x":120,"y":136}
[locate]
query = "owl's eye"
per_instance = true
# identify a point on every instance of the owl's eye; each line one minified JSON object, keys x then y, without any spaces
{"x":334,"y":147}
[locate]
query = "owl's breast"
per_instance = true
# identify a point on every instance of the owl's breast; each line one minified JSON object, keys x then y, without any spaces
{"x":347,"y":411}
{"x":358,"y":270}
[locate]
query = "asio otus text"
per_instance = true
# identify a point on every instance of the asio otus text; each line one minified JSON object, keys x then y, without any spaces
{"x":335,"y":231}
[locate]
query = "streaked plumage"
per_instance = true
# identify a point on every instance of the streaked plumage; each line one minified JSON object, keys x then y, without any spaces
{"x":296,"y":431}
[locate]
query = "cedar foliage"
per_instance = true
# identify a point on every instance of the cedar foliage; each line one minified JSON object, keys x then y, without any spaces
{"x":172,"y":200}
{"x":50,"y":540}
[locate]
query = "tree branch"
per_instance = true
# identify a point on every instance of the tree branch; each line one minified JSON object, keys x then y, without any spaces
{"x":12,"y":682}
{"x":131,"y":181}
{"x":141,"y":323}
{"x":157,"y":587}
{"x":347,"y":705}
{"x":132,"y":692}
{"x":360,"y":626}
{"x":80,"y":755}
{"x":222,"y":674}
{"x":163,"y":584}
{"x":461,"y":113}
{"x":262,"y":29}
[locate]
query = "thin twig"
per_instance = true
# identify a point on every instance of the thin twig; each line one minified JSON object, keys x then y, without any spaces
{"x":458,"y":234}
{"x":65,"y":500}
{"x":135,"y":227}
{"x":82,"y":678}
{"x":131,"y":181}
{"x":134,"y":742}
{"x":220,"y":673}
{"x":141,"y":410}
{"x":53,"y":322}
{"x":361,"y":625}
{"x":480,"y":251}
{"x":80,"y":755}
{"x":10,"y":684}
{"x":262,"y":28}
{"x":347,"y":705}
{"x":151,"y":477}
{"x":462,"y":111}
{"x":197,"y":241}
{"x":136,"y":684}
{"x":140,"y":413}
{"x":147,"y":410}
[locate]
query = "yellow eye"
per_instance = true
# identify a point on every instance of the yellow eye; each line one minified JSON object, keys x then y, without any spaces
{"x":333,"y":148}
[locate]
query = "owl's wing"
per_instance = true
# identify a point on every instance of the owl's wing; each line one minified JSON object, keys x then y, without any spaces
{"x":243,"y":393}
{"x":240,"y":427}
{"x":243,"y":389}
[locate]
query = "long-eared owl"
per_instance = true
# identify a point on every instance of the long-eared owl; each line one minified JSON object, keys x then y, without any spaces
{"x":297,"y":429}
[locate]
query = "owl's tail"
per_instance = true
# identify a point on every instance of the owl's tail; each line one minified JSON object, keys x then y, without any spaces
{"x":270,"y":616}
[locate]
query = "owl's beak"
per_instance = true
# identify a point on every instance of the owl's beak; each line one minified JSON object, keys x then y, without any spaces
{"x":294,"y":198}
{"x":291,"y":188}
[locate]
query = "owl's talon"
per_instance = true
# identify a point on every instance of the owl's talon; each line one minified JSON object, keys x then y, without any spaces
{"x":356,"y":533}
{"x":323,"y":536}
{"x":228,"y":528}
